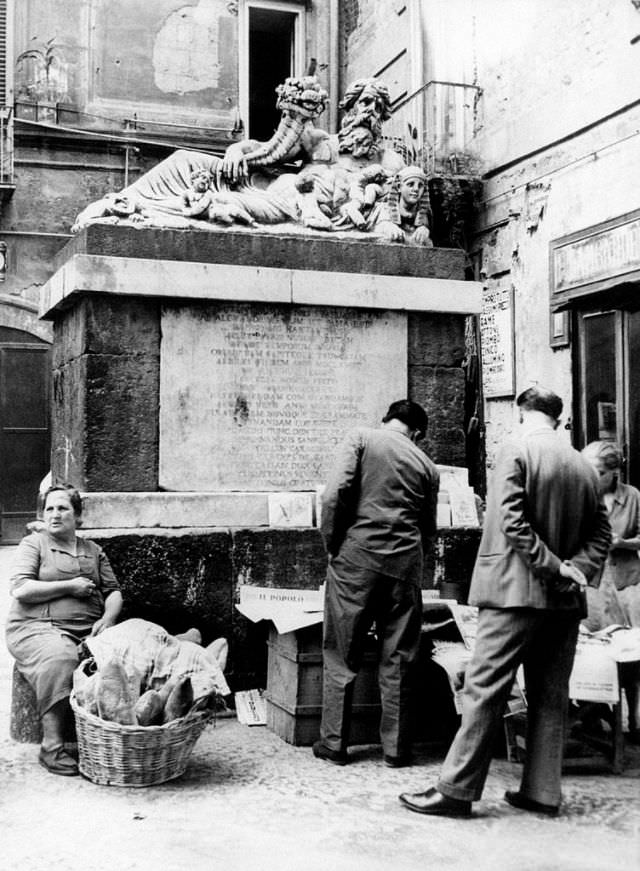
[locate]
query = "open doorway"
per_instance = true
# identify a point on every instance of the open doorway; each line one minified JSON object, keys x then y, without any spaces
{"x":608,"y":381}
{"x":25,"y":367}
{"x":272,"y":34}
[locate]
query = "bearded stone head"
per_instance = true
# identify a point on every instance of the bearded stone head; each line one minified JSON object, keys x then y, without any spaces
{"x":366,"y":103}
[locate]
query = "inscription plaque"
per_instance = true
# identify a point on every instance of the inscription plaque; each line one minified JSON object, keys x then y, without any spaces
{"x":256,"y":397}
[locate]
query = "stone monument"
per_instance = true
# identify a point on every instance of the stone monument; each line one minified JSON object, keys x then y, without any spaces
{"x":218,"y":325}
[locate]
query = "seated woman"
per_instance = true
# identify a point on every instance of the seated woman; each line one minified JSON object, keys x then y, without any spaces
{"x":64,"y":590}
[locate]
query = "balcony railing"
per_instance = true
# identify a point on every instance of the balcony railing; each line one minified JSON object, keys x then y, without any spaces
{"x":435,"y":126}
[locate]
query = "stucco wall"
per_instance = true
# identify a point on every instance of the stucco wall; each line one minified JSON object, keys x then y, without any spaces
{"x":582,"y":183}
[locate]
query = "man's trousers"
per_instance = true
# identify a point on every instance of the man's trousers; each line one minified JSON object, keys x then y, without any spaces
{"x":544,"y":642}
{"x":354,"y":599}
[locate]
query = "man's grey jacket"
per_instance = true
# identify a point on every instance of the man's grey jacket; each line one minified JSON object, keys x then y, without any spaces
{"x":543,"y":507}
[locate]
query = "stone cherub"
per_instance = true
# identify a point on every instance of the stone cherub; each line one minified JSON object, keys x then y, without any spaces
{"x":201,"y":201}
{"x":366,"y":191}
{"x":197,"y":199}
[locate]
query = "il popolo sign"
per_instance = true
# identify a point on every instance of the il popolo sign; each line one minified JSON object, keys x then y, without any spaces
{"x":595,"y":258}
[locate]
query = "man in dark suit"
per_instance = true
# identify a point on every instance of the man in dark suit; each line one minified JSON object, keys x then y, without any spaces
{"x":378,"y":512}
{"x":545,"y":534}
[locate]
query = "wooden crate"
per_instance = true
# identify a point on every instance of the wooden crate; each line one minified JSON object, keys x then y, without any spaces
{"x":294,"y":689}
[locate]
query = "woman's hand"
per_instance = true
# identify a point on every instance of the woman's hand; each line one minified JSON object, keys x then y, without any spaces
{"x":112,"y":608}
{"x":81,"y":587}
{"x":103,"y":623}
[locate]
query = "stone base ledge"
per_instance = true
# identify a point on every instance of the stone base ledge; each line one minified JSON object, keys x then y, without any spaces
{"x":168,"y":279}
{"x":189,"y":510}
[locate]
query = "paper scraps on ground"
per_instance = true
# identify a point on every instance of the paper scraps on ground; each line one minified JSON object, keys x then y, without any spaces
{"x":251,"y":708}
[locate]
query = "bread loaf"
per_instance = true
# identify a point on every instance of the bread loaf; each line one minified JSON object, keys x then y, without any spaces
{"x":113,"y":694}
{"x":180,"y":700}
{"x":149,"y":708}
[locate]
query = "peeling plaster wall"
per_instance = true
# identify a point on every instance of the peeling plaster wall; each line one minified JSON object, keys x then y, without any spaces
{"x":549,"y":68}
{"x":182,"y":53}
{"x":177,"y":57}
{"x":581,"y":183}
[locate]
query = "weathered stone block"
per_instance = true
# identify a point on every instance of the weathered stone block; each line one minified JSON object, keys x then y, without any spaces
{"x":441,"y":391}
{"x":176,"y":580}
{"x":290,"y":558}
{"x":68,"y":422}
{"x":105,"y":422}
{"x":107,"y":325}
{"x":436,"y":340}
{"x":122,"y":422}
{"x":295,"y":251}
{"x":24,"y":723}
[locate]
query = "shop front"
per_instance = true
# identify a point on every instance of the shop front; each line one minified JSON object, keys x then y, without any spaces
{"x":595,"y":306}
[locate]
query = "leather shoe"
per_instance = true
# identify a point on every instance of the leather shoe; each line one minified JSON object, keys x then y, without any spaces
{"x":401,"y":761}
{"x":337,"y":757}
{"x":435,"y":804}
{"x":58,"y":762}
{"x":517,"y":799}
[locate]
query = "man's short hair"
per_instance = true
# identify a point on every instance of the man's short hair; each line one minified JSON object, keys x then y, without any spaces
{"x":409,"y":413}
{"x":539,"y":399}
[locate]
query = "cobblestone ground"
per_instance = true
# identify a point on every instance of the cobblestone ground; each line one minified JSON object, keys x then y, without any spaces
{"x":250,"y":801}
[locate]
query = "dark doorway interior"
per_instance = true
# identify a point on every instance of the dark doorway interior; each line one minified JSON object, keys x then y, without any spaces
{"x":24,"y":428}
{"x":607,"y":386}
{"x":271,"y":44}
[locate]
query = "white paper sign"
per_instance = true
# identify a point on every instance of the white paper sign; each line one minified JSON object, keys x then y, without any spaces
{"x":288,"y":609}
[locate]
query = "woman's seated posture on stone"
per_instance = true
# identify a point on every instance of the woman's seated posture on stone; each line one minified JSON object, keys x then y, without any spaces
{"x":64,"y":589}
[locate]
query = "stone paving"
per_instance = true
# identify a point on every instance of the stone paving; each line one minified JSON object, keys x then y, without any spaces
{"x":250,"y":802}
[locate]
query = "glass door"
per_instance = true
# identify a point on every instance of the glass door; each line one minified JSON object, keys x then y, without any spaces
{"x":607,"y":389}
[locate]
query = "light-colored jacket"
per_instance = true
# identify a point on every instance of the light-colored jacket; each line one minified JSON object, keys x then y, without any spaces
{"x":543,"y":507}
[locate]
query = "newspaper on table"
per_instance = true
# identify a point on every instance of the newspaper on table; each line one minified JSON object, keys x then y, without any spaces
{"x":288,"y":609}
{"x":595,"y":670}
{"x":454,"y":656}
{"x":456,"y":499}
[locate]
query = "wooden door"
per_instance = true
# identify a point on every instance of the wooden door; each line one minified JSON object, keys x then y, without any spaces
{"x":24,"y":428}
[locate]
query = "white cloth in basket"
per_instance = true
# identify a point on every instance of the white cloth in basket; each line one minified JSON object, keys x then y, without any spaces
{"x":150,"y":656}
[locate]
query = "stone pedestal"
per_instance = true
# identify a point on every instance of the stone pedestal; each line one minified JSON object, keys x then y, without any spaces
{"x":24,"y":723}
{"x":202,"y":381}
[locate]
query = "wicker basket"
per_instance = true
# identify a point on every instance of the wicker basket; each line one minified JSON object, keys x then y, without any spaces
{"x":116,"y":755}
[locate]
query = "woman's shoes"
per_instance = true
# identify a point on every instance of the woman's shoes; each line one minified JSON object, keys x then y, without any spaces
{"x":57,"y":761}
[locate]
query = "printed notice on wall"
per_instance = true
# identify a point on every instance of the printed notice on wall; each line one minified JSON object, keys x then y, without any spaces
{"x":496,"y":331}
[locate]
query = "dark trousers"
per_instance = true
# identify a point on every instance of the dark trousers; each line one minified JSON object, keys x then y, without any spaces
{"x":354,"y":599}
{"x":544,"y":642}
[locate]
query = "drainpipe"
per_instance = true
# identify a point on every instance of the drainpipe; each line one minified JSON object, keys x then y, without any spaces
{"x":334,"y":64}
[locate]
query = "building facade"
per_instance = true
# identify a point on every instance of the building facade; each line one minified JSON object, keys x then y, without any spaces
{"x":537,"y":100}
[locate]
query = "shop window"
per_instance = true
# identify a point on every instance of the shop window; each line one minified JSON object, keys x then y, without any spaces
{"x":608,"y":382}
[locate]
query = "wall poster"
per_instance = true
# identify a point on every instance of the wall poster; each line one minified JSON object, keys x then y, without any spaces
{"x":497,"y":340}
